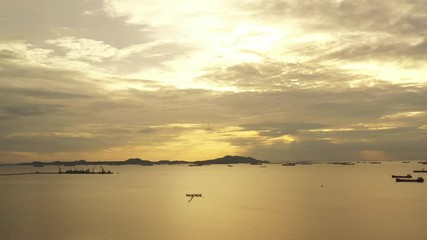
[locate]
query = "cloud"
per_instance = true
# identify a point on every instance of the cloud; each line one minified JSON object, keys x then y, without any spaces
{"x":274,"y":129}
{"x":277,"y":80}
{"x":51,"y":19}
{"x":84,"y":49}
{"x":347,"y":15}
{"x":27,"y":110}
{"x":42,"y":144}
{"x":275,"y":75}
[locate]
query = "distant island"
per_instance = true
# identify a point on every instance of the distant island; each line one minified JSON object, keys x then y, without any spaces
{"x":137,"y":161}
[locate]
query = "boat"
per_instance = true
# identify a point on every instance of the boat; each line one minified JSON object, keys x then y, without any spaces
{"x":419,"y":179}
{"x":256,"y":163}
{"x":288,"y":164}
{"x":195,"y":165}
{"x":193,"y":195}
{"x":402,"y":176}
{"x":84,"y":171}
{"x":229,"y":165}
{"x":342,"y":163}
{"x":420,"y":171}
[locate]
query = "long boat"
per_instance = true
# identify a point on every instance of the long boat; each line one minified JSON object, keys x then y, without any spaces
{"x":287,"y":164}
{"x":420,"y":180}
{"x":402,"y":176}
{"x":193,"y":195}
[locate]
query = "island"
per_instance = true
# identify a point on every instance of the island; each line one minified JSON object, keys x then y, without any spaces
{"x":228,"y":159}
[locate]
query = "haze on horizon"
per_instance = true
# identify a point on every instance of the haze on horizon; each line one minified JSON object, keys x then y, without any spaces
{"x":321,"y":80}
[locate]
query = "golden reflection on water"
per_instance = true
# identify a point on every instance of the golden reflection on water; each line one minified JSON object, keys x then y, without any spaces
{"x":242,"y":202}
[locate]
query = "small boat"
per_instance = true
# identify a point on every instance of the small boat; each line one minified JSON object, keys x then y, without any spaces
{"x":195,"y":165}
{"x":193,"y":195}
{"x":256,"y":163}
{"x":402,"y":176}
{"x":84,"y":171}
{"x":421,"y":171}
{"x":229,"y":165}
{"x":343,"y":163}
{"x":288,"y":164}
{"x":420,"y":180}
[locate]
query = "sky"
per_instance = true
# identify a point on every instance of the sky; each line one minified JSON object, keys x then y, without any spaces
{"x":278,"y":80}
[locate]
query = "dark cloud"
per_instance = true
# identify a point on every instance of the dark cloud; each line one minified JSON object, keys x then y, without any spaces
{"x":327,"y":150}
{"x":151,"y":118}
{"x":52,"y":144}
{"x":28,"y":110}
{"x":42,"y":93}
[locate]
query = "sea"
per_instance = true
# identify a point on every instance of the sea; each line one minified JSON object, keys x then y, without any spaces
{"x":238,"y":202}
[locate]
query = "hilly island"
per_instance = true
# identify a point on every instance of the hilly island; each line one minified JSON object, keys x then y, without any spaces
{"x":137,"y":161}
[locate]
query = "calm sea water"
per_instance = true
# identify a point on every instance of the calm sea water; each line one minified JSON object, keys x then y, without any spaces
{"x":240,"y":202}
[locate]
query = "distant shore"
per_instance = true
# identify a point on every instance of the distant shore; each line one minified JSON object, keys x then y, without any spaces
{"x":137,"y":161}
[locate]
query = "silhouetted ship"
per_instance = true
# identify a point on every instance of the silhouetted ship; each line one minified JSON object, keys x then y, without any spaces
{"x":420,"y":180}
{"x":402,"y":176}
{"x":256,"y":163}
{"x":195,"y":165}
{"x":84,"y":171}
{"x":343,"y":163}
{"x":288,"y":164}
{"x":420,"y":171}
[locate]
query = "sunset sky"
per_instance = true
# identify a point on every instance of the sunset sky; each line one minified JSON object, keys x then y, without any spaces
{"x":291,"y":80}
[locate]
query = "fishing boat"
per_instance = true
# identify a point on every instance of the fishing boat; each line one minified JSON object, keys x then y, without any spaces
{"x":420,"y":171}
{"x":402,"y":176}
{"x":419,"y":179}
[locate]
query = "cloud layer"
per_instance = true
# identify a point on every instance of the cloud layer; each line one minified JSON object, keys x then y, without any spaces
{"x":276,"y":80}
